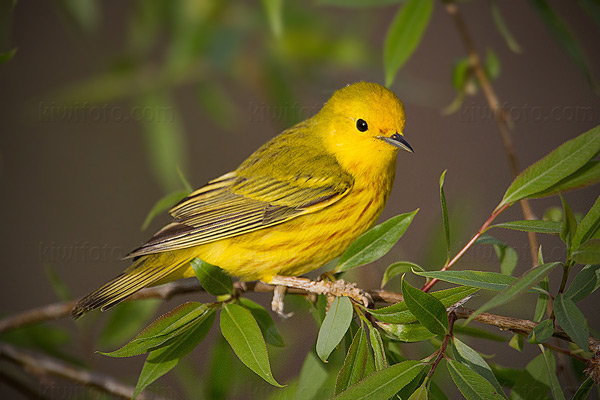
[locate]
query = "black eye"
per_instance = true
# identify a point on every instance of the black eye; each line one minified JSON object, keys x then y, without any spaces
{"x":361,"y":125}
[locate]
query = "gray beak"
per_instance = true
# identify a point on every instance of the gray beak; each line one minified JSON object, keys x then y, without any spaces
{"x":397,"y":140}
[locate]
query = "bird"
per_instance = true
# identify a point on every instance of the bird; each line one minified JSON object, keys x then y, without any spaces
{"x":292,"y":206}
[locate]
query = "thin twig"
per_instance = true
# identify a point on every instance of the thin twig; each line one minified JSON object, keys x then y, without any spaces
{"x":61,"y":310}
{"x":471,"y":242}
{"x":501,"y":118}
{"x":43,"y":365}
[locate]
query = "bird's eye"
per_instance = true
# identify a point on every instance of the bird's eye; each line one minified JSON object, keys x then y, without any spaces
{"x":361,"y":125}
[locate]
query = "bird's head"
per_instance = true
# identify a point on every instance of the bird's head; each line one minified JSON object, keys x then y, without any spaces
{"x":364,"y":123}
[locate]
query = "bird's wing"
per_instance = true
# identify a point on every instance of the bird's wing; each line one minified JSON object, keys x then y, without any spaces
{"x":280,"y":181}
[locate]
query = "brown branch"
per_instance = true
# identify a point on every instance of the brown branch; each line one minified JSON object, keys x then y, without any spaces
{"x":59,"y":310}
{"x":41,"y":365}
{"x":501,"y":118}
{"x":165,"y":292}
{"x":517,"y":325}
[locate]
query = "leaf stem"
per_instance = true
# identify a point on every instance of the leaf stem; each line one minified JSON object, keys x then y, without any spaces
{"x":565,"y":277}
{"x":501,"y":117}
{"x":471,"y":242}
{"x":442,"y":349}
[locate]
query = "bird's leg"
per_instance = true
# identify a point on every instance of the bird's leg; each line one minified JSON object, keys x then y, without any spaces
{"x":277,"y":302}
{"x":335,"y":288}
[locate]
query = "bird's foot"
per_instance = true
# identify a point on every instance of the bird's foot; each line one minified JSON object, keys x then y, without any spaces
{"x":330,"y":288}
{"x":277,"y":302}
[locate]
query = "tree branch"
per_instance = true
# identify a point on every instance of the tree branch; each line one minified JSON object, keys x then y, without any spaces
{"x":165,"y":292}
{"x":501,"y":118}
{"x":516,"y":325}
{"x":41,"y":365}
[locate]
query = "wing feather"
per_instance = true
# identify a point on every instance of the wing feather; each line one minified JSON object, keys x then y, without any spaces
{"x":269,"y":188}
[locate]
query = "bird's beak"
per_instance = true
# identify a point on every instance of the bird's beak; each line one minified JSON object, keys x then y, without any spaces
{"x":397,"y":140}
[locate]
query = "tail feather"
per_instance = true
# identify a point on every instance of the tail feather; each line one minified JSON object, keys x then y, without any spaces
{"x":143,"y":272}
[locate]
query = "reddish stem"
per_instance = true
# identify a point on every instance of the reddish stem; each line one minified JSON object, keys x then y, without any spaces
{"x":442,"y":350}
{"x":480,"y":232}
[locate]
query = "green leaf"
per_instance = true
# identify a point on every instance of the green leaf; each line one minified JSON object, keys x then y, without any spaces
{"x":560,"y":163}
{"x":219,"y":386}
{"x":58,"y":285}
{"x":430,"y":312}
{"x":585,"y":283}
{"x":511,"y":42}
{"x":461,"y":71}
{"x":212,"y":278}
{"x":592,"y":8}
{"x":478,"y":279}
{"x":163,"y":329}
{"x":7,"y":56}
{"x":184,"y":181}
{"x":542,"y":302}
{"x":243,"y":334}
{"x":85,"y":14}
{"x":375,"y":243}
{"x":378,"y":348}
{"x":125,"y":320}
{"x":165,"y":358}
{"x":475,"y":332}
{"x":274,"y":9}
{"x":404,"y":35}
{"x":533,"y":382}
{"x":421,"y":393}
{"x":585,"y":176}
{"x":165,"y":139}
{"x":409,"y":333}
{"x":399,"y":314}
{"x":334,"y":326}
{"x":265,"y":322}
{"x":584,"y":390}
{"x":551,"y":371}
{"x":312,"y":377}
{"x":435,"y":393}
{"x":446,"y":222}
{"x":521,"y":285}
{"x":50,"y":339}
{"x":516,"y":342}
{"x":589,"y":225}
{"x":492,"y":64}
{"x":358,"y":364}
{"x":571,"y":320}
{"x":472,"y":385}
{"x":398,"y":268}
{"x":564,"y":37}
{"x":506,"y":376}
{"x":533,"y":225}
{"x":383,"y":384}
{"x":473,"y":360}
{"x":588,"y":252}
{"x":569,"y":225}
{"x":506,"y":254}
{"x":162,"y":205}
{"x":542,"y":332}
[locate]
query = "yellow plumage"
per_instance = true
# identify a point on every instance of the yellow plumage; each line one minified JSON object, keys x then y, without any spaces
{"x":296,"y":203}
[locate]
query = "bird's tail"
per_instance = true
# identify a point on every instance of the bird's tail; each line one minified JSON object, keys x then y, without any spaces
{"x":145,"y":271}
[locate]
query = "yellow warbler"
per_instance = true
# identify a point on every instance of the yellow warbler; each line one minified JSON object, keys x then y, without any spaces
{"x":295,"y":204}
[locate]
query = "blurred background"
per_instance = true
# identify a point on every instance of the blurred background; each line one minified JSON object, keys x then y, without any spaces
{"x":106,"y":104}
